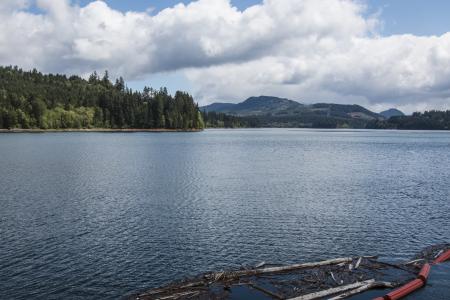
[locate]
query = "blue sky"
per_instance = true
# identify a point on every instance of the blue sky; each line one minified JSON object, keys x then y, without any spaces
{"x":142,"y":5}
{"x":419,"y":17}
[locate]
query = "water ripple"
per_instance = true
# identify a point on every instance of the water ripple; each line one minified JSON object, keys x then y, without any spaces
{"x":89,"y":216}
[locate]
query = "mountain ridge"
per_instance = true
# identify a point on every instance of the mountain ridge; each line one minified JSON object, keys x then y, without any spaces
{"x":252,"y":106}
{"x":275,"y":106}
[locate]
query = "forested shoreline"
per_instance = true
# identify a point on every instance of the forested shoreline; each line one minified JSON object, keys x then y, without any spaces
{"x":428,"y":120}
{"x":32,"y":100}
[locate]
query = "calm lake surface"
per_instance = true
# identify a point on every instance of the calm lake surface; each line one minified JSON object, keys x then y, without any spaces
{"x":103,"y":215}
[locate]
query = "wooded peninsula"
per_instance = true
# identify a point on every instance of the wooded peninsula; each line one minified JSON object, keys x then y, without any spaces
{"x":32,"y":100}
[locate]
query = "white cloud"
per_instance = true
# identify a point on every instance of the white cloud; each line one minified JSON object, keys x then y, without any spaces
{"x":11,"y":5}
{"x":309,"y":50}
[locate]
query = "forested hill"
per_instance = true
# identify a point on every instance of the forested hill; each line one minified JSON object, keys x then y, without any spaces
{"x":34,"y":100}
{"x":264,"y":111}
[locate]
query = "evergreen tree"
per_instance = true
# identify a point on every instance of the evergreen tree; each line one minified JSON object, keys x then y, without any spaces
{"x":93,"y":78}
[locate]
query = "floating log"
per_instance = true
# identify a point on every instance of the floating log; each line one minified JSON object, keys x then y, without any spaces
{"x":333,"y":291}
{"x":439,"y":254}
{"x":358,"y":263}
{"x":414,"y":261}
{"x":362,"y":289}
{"x":273,"y":270}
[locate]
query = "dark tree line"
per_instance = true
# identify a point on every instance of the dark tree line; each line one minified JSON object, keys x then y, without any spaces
{"x":429,"y":120}
{"x":30,"y":99}
{"x":220,"y":120}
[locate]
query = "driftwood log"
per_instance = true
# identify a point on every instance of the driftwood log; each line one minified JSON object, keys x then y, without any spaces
{"x":336,"y":290}
{"x":362,"y":289}
{"x":274,"y":270}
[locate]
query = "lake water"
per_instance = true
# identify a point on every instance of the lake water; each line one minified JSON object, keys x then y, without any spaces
{"x":103,"y":215}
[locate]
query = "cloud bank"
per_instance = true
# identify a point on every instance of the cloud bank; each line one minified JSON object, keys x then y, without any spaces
{"x":309,"y":50}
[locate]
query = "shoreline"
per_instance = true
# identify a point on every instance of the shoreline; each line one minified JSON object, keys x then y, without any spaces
{"x":18,"y":130}
{"x":161,"y":130}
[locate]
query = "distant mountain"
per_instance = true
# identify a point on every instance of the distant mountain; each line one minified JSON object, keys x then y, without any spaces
{"x":265,"y":105}
{"x":393,"y":112}
{"x":267,"y":111}
{"x":255,"y":106}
